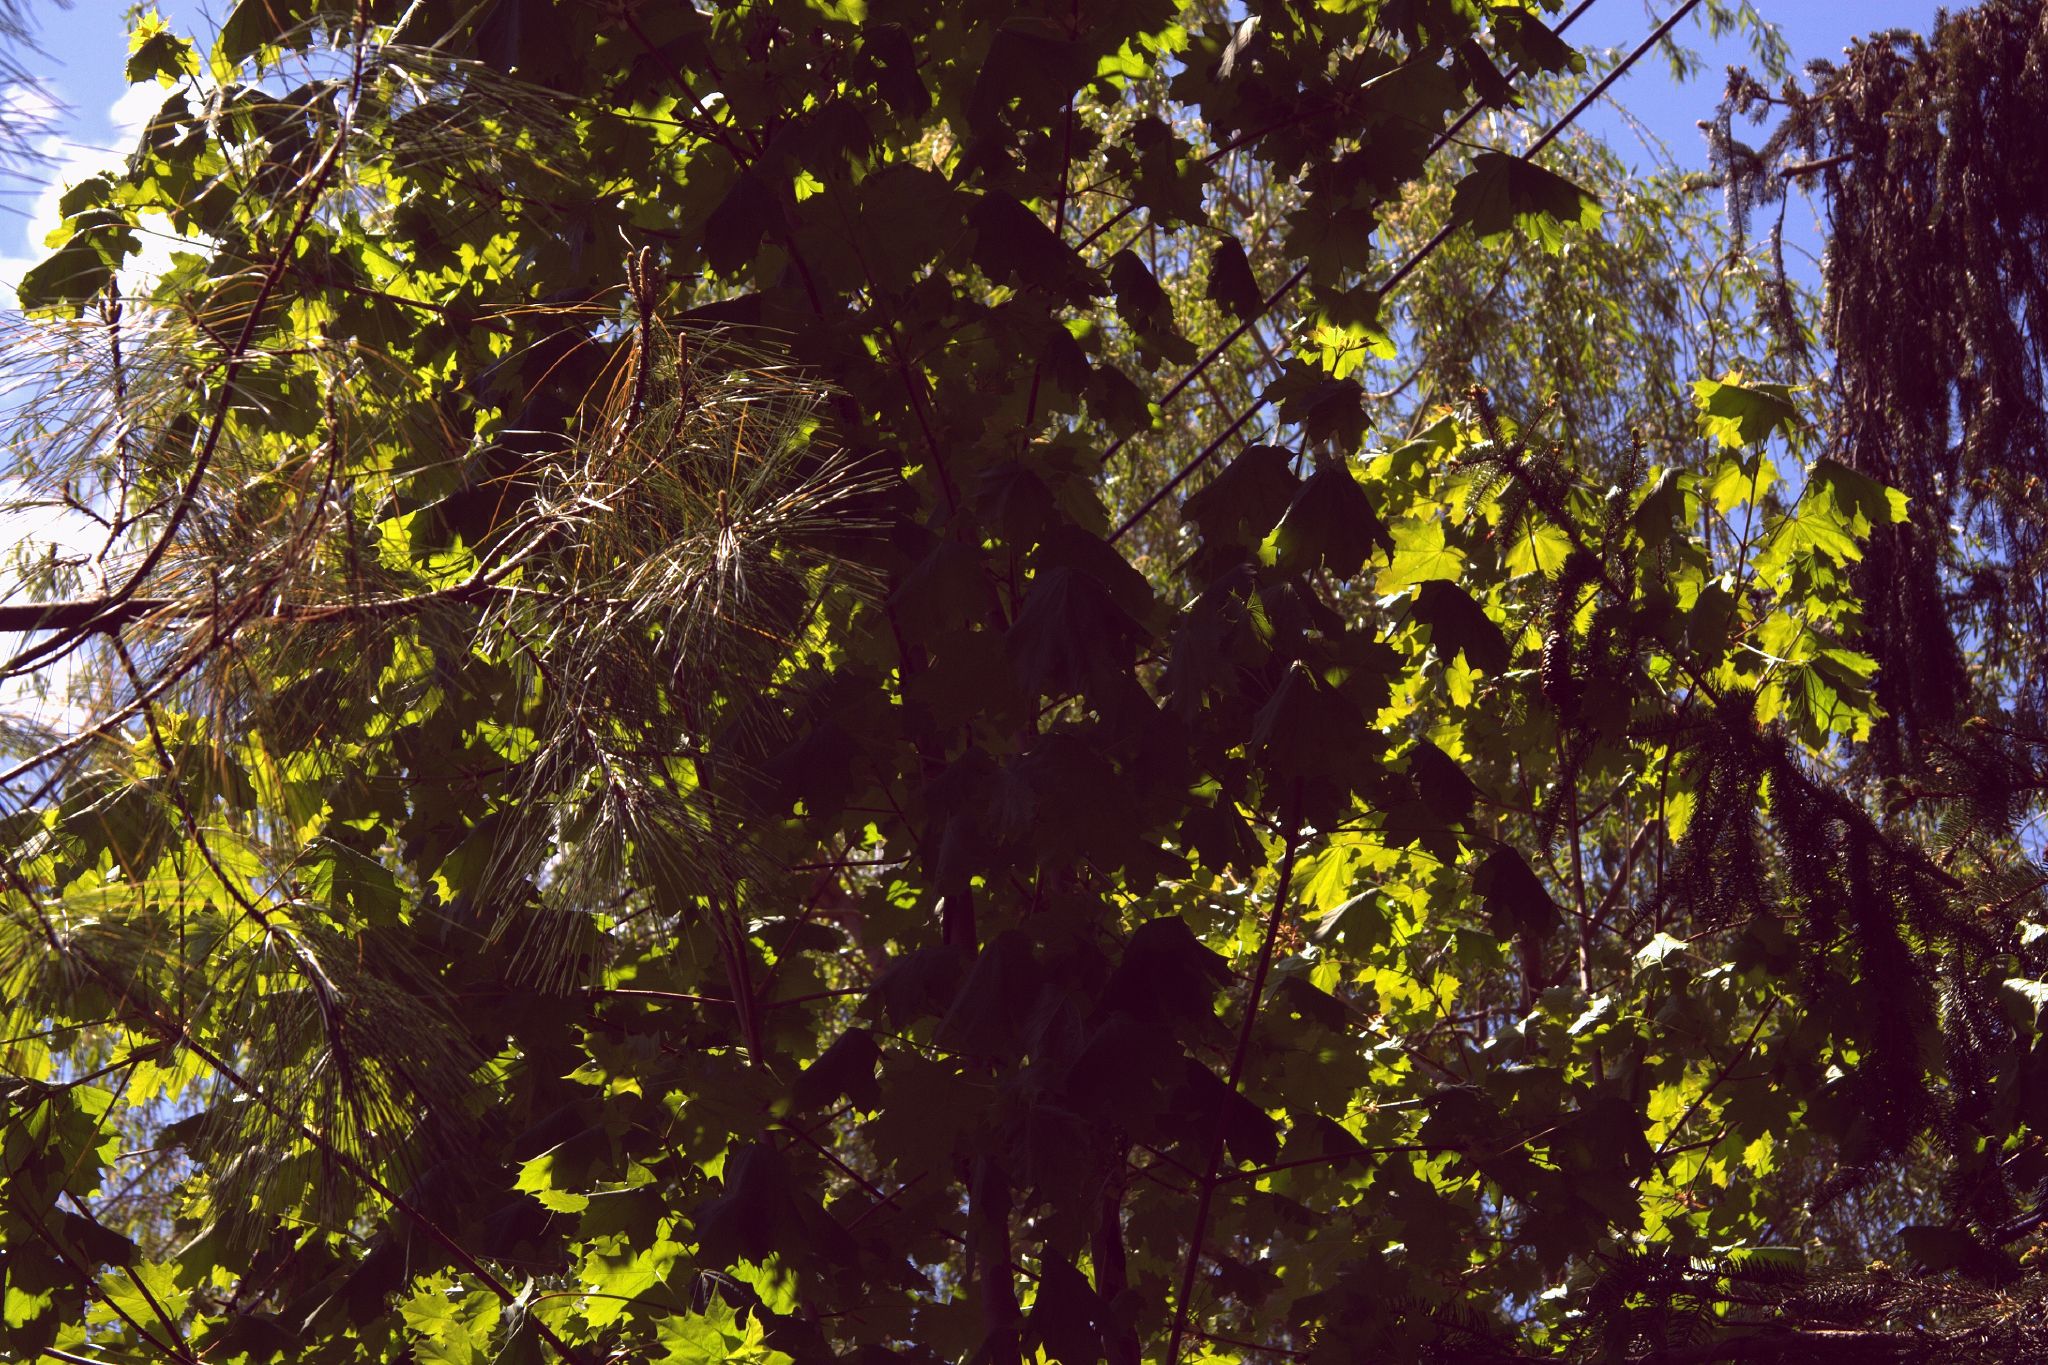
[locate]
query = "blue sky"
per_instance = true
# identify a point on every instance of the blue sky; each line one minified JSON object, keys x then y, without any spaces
{"x":1671,"y":110}
{"x":1813,"y":28}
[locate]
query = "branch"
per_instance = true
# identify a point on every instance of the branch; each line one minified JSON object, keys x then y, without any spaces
{"x":2019,"y":1227}
{"x":1201,"y":458}
{"x":1804,"y":1345}
{"x":1394,"y":281}
{"x":91,"y":1284}
{"x":286,"y":252}
{"x":456,"y":1251}
{"x":107,"y":615}
{"x":1112,"y":1277}
{"x":1741,"y":1055}
{"x":173,"y":1031}
{"x":1212,"y":1178}
{"x":315,"y":184}
{"x":1358,"y":1153}
{"x":1442,"y":140}
{"x":1799,"y":168}
{"x":1287,"y":1351}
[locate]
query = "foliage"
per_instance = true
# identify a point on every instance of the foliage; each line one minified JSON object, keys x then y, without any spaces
{"x":1929,"y":154}
{"x":673,"y":801}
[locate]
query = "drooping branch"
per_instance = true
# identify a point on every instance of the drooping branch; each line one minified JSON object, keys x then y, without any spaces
{"x":1401,"y":274}
{"x":1929,"y":156}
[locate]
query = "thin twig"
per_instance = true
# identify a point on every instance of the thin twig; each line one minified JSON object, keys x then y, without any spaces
{"x":1211,"y":1178}
{"x":1394,"y":281}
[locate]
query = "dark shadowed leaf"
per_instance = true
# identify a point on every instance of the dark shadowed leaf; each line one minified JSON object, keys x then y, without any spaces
{"x":1242,"y":503}
{"x":1231,"y":282}
{"x":1459,"y":625}
{"x":1503,"y":193}
{"x":1330,"y":524}
{"x":1515,"y":899}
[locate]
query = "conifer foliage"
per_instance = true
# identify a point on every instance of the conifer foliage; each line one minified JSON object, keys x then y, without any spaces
{"x":708,"y":720}
{"x":1929,"y":154}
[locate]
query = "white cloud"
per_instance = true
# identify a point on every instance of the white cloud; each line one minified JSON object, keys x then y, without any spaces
{"x":66,"y":163}
{"x":34,"y":531}
{"x":30,"y":105}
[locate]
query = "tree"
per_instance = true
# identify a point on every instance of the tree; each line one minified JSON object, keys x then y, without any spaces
{"x":1927,"y":152}
{"x":648,"y":786}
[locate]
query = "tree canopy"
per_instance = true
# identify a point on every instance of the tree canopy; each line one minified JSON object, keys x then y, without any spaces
{"x":1084,"y":681}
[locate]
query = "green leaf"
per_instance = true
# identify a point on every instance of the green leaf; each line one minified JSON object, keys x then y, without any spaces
{"x":92,"y":1242}
{"x":760,"y":1213}
{"x":988,"y":1017}
{"x":1660,"y":949}
{"x":908,"y":215}
{"x":1144,"y":305}
{"x":894,"y":58}
{"x":1420,"y":556}
{"x":695,"y":756}
{"x":1538,"y":547}
{"x":448,"y":1326}
{"x":1012,"y":242}
{"x":733,"y":233}
{"x":1596,"y":1013}
{"x":1244,"y":501}
{"x":154,"y":52}
{"x":356,"y":887}
{"x":1306,"y":729}
{"x":1220,"y":838}
{"x":2032,"y":995}
{"x":1515,"y":899}
{"x":1737,"y":482}
{"x":1139,"y":298}
{"x":1357,"y":925}
{"x":158,"y":1279}
{"x":93,"y":241}
{"x":1534,"y":44}
{"x":1835,"y":515}
{"x":1340,"y":349}
{"x":1032,"y":68}
{"x":1323,"y":880}
{"x":1066,"y":1316}
{"x":1493,"y":89}
{"x":1447,"y":793}
{"x":537,"y":1178}
{"x":619,"y":1277}
{"x":254,"y":24}
{"x":1738,"y":414}
{"x":1503,"y":193}
{"x":1166,"y":975}
{"x":1861,"y":500}
{"x":720,"y":1335}
{"x":845,"y":1068}
{"x":1070,"y":634}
